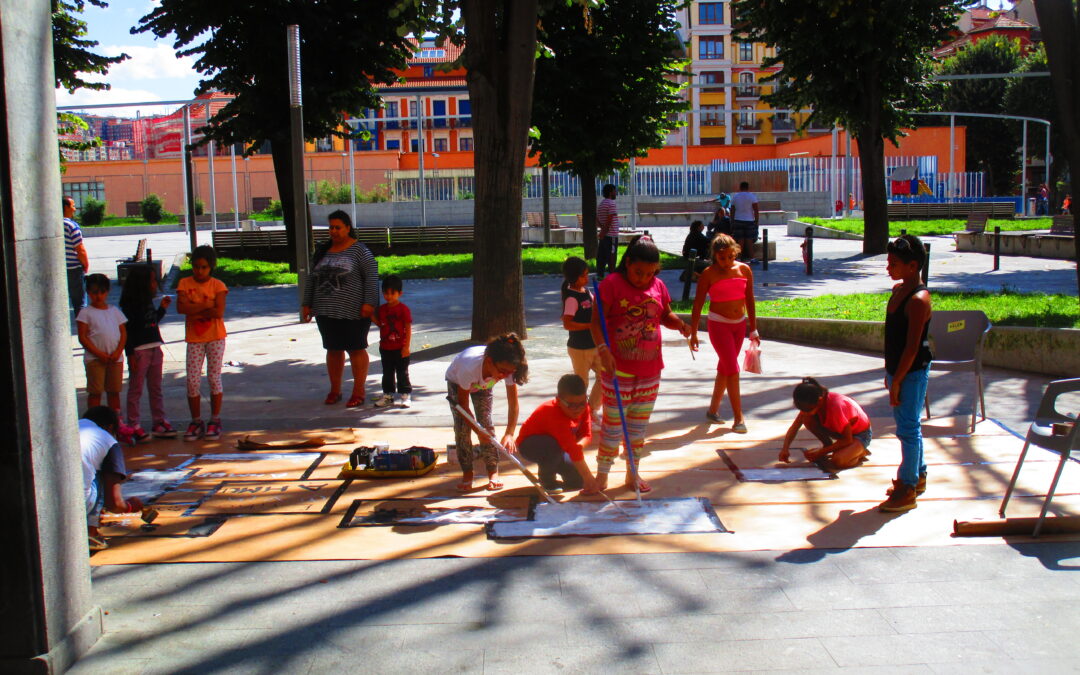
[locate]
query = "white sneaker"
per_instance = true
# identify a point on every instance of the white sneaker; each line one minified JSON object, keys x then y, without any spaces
{"x":404,"y":401}
{"x":384,"y":401}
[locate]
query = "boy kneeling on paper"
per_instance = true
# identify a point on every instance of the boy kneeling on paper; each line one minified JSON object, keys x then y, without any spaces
{"x":555,"y":436}
{"x":103,"y":470}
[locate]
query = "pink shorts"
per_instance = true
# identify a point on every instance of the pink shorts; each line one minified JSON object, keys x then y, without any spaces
{"x":727,"y":339}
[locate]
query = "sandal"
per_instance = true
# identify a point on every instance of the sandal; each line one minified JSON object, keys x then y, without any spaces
{"x":464,"y":487}
{"x":643,"y":487}
{"x":355,"y":402}
{"x":97,"y":543}
{"x":332,"y":398}
{"x":494,"y":485}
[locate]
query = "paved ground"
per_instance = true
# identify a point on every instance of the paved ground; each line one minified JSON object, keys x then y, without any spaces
{"x":994,"y":608}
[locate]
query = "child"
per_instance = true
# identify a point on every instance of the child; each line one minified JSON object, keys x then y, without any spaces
{"x":907,"y":366}
{"x":838,"y":422}
{"x":102,"y":334}
{"x":555,"y":436}
{"x":577,"y":319}
{"x":103,"y":471}
{"x":143,"y":349}
{"x":395,"y":333}
{"x":635,"y":304}
{"x":729,"y":287}
{"x":201,"y":298}
{"x":697,"y":242}
{"x":473,"y":373}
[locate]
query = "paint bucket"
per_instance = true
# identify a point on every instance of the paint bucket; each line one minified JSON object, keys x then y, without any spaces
{"x":451,"y":453}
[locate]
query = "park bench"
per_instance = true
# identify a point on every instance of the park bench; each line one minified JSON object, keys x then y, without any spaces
{"x":676,"y":208}
{"x":934,"y":210}
{"x":273,"y":244}
{"x":536,"y":219}
{"x":976,"y":223}
{"x":140,"y":254}
{"x":1062,"y":225}
{"x":625,"y":235}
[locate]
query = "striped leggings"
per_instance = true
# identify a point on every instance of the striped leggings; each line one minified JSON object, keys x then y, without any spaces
{"x":638,"y":398}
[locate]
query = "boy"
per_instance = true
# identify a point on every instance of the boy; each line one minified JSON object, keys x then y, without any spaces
{"x":102,"y":333}
{"x":555,"y":436}
{"x":395,"y":333}
{"x":103,"y":470}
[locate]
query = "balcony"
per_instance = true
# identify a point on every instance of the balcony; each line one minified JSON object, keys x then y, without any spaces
{"x":783,"y":125}
{"x":749,"y":127}
{"x":747,"y":93}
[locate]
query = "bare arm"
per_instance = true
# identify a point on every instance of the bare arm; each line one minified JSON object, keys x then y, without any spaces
{"x":751,"y":305}
{"x":793,"y":430}
{"x":511,"y":417}
{"x":607,"y":361}
{"x":703,"y":283}
{"x":115,"y":356}
{"x":406,"y":345}
{"x":83,"y":256}
{"x":918,"y":313}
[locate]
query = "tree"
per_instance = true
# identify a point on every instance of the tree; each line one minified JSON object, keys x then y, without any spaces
{"x":242,"y":50}
{"x":622,"y":101}
{"x":73,"y":58}
{"x":1060,"y":23}
{"x":862,"y":63}
{"x":991,"y":143}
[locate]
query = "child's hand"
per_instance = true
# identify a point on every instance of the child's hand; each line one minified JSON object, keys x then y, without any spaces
{"x":591,"y":487}
{"x":115,"y":356}
{"x":685,"y":330}
{"x":166,"y":301}
{"x":694,"y":341}
{"x":894,"y":393}
{"x":305,"y":314}
{"x":508,"y":443}
{"x":367,"y":311}
{"x":785,"y":456}
{"x":607,"y":361}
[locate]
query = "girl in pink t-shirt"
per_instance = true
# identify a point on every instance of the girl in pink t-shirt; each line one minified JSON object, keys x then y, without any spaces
{"x":635,"y":304}
{"x":836,"y":420}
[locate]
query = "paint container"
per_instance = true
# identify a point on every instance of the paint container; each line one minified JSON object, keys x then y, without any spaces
{"x":451,"y":453}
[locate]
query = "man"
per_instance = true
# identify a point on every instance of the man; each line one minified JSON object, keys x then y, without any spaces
{"x":103,"y":470}
{"x":607,"y":229}
{"x":745,"y":216}
{"x":78,"y":262}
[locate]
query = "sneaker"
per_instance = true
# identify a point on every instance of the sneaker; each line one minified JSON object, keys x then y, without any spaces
{"x":739,"y":428}
{"x":163,"y":430}
{"x":195,"y":431}
{"x":125,"y":434}
{"x":901,"y":498}
{"x":213,"y":430}
{"x":384,"y":401}
{"x":404,"y":400}
{"x":139,"y":435}
{"x":714,"y":417}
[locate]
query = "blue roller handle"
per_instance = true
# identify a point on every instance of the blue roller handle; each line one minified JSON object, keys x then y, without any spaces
{"x":618,"y":395}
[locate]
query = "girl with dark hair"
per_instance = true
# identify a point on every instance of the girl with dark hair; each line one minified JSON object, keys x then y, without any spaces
{"x":577,"y":319}
{"x":201,"y":299}
{"x":472,"y":375}
{"x":836,"y":420}
{"x":143,"y":348}
{"x":635,"y":304}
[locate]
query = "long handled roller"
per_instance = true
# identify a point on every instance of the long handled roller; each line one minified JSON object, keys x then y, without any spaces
{"x":483,"y":434}
{"x":618,"y":396}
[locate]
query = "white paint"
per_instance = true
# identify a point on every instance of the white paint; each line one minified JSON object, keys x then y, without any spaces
{"x":651,"y":516}
{"x":784,"y":474}
{"x":298,"y":457}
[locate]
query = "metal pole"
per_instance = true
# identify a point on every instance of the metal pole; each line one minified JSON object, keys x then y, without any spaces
{"x":808,"y":250}
{"x":420,"y":149}
{"x":997,"y":247}
{"x":189,"y":196}
{"x":296,"y":128}
{"x":833,"y":191}
{"x":235,"y":194}
{"x":213,"y":187}
{"x":352,"y":179}
{"x":1046,"y":167}
{"x":764,"y":249}
{"x":1023,"y":174}
{"x":685,"y":168}
{"x":952,"y":169}
{"x":849,"y":174}
{"x":544,"y":181}
{"x":926,"y":267}
{"x":633,"y":194}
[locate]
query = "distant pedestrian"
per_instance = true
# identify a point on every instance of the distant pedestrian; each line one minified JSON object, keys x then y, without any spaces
{"x":697,"y":242}
{"x":607,"y":230}
{"x":1066,"y":205}
{"x":721,"y":220}
{"x":1042,"y":204}
{"x":78,"y":262}
{"x":745,"y":216}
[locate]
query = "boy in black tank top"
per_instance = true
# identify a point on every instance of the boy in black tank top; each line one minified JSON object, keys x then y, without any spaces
{"x":907,"y":367}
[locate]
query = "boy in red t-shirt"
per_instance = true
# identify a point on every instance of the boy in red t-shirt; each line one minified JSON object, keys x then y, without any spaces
{"x":555,"y":436}
{"x":395,"y":332}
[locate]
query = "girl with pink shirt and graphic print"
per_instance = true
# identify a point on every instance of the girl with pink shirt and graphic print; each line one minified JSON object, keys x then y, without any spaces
{"x":836,"y":420}
{"x":635,"y":304}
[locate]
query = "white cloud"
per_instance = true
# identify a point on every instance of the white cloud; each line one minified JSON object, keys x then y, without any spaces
{"x":149,"y":63}
{"x":115,"y":95}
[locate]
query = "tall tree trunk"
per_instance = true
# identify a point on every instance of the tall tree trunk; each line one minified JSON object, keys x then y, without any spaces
{"x":875,"y":202}
{"x":500,"y":39}
{"x":588,"y":212}
{"x":1060,"y":22}
{"x":282,"y":154}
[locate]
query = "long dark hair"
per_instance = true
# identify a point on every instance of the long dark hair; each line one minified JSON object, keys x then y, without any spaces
{"x":507,"y":348}
{"x":640,"y":249}
{"x":138,"y":292}
{"x":572,"y":269}
{"x":807,"y":393}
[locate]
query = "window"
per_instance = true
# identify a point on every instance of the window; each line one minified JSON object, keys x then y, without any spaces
{"x":438,"y":112}
{"x":746,"y":141}
{"x":464,"y":107}
{"x":393,"y":144}
{"x":414,"y":145}
{"x":324,"y":144}
{"x":746,"y":51}
{"x":746,"y":119}
{"x":711,"y":48}
{"x":429,"y":72}
{"x":432,"y":53}
{"x":746,"y":82}
{"x":465,"y":144}
{"x":782,"y":139}
{"x":712,"y":77}
{"x":440,"y":145}
{"x":710,"y":13}
{"x":411,"y":124}
{"x":82,"y":191}
{"x":391,"y":112}
{"x":711,"y":116}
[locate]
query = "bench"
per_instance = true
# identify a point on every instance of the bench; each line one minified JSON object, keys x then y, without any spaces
{"x":932,"y":210}
{"x":976,"y":223}
{"x":140,"y":259}
{"x":536,"y":219}
{"x":676,"y":208}
{"x":140,"y":254}
{"x":439,"y":236}
{"x":624,"y":235}
{"x":1063,"y":225}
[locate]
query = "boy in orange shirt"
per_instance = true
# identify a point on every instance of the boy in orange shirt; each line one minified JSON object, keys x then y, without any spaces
{"x":555,"y":436}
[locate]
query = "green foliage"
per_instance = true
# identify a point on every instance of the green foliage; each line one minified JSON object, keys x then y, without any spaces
{"x":1033,"y":97}
{"x":991,"y":143}
{"x":200,"y":206}
{"x":151,"y":209}
{"x":92,"y":212}
{"x":331,"y":192}
{"x":273,"y":209}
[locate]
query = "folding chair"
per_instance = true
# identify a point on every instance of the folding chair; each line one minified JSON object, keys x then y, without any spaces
{"x":956,"y":339}
{"x":1041,"y":433}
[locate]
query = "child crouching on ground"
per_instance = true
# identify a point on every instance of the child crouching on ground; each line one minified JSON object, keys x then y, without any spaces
{"x":555,"y":436}
{"x":836,"y":420}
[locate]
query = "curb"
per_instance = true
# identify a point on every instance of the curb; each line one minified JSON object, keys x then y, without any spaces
{"x":797,"y":228}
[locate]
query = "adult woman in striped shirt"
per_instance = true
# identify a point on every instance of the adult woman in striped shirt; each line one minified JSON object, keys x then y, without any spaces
{"x":342,"y":293}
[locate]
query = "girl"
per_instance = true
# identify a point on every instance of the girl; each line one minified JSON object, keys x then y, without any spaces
{"x":838,"y":422}
{"x":729,"y":285}
{"x":635,"y":304}
{"x":472,"y":374}
{"x":907,"y":366}
{"x":577,"y":318}
{"x":143,"y":349}
{"x":201,"y":299}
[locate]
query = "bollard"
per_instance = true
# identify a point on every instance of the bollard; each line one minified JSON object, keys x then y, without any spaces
{"x":926,"y":267}
{"x":997,"y":247}
{"x":903,"y":232}
{"x":764,"y":249}
{"x":808,"y":251}
{"x":691,"y":260}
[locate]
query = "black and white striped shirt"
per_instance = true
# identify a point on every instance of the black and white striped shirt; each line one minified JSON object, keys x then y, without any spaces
{"x":341,"y":282}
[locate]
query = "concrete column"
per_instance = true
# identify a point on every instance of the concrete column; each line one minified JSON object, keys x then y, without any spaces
{"x":48,"y":617}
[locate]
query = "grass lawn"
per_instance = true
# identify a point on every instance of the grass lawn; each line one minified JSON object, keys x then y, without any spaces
{"x":1003,"y":309}
{"x":122,"y":221}
{"x":930,"y":227}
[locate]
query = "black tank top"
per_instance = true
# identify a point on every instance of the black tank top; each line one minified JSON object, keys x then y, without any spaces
{"x":896,"y":329}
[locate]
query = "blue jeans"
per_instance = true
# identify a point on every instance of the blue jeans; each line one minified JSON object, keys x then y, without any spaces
{"x":908,"y":416}
{"x":76,"y":288}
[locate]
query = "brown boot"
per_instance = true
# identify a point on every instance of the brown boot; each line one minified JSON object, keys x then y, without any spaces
{"x":901,"y":498}
{"x":919,"y":488}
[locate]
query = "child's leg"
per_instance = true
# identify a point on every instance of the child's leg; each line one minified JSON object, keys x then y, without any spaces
{"x":196,"y":353}
{"x":726,"y":339}
{"x":215,"y":357}
{"x":735,"y":396}
{"x":114,"y":384}
{"x":462,"y":438}
{"x":138,"y":365}
{"x":548,"y":455}
{"x":847,"y":455}
{"x":404,"y":386}
{"x":95,"y":382}
{"x":153,"y":381}
{"x":638,"y":412}
{"x":610,"y":427}
{"x":483,"y":402}
{"x":909,"y":426}
{"x":389,"y":362}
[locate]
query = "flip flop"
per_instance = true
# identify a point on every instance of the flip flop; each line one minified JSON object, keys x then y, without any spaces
{"x":464,"y":487}
{"x":494,"y":485}
{"x":97,"y":543}
{"x":355,"y":402}
{"x":332,"y":398}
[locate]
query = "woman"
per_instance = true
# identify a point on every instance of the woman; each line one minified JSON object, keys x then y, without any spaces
{"x":342,"y":293}
{"x":729,"y":286}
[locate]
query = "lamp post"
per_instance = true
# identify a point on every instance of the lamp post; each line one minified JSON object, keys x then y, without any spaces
{"x":353,"y":123}
{"x":435,"y":170}
{"x":296,"y":123}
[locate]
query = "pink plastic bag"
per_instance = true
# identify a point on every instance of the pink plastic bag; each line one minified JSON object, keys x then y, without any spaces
{"x":751,"y":361}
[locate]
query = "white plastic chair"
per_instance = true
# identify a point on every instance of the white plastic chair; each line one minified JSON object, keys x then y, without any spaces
{"x":1041,"y":434}
{"x":956,"y":339}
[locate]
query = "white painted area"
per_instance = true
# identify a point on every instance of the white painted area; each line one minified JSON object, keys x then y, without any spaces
{"x":784,"y":474}
{"x":298,"y":457}
{"x":147,"y":485}
{"x":459,"y":516}
{"x":651,"y":516}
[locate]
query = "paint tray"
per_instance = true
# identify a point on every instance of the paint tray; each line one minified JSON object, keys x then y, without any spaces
{"x":682,"y":515}
{"x":370,"y":462}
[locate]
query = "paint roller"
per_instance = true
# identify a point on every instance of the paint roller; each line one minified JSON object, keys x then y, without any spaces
{"x":618,"y":395}
{"x":483,"y":434}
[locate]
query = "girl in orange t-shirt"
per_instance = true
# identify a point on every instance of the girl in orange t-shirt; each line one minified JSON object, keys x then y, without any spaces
{"x":201,"y":298}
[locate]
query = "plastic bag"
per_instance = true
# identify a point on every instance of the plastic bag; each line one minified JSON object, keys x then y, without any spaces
{"x":751,"y":361}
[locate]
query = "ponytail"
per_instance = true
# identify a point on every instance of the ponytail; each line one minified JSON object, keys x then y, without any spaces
{"x":572,"y":269}
{"x":807,"y":393}
{"x":507,"y":348}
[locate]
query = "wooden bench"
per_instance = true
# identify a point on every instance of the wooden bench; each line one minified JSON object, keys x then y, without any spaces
{"x":140,"y":254}
{"x":675,"y":208}
{"x":1063,"y":225}
{"x":928,"y":211}
{"x":536,"y":219}
{"x":976,"y":223}
{"x":770,"y":206}
{"x":273,"y":244}
{"x":439,"y":236}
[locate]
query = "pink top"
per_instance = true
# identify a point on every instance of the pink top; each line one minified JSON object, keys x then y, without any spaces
{"x":839,"y":410}
{"x":633,"y":323}
{"x":732,"y":288}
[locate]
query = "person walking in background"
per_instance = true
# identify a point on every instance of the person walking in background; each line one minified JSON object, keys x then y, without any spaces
{"x":78,"y":262}
{"x":745,"y":216}
{"x":607,"y":229}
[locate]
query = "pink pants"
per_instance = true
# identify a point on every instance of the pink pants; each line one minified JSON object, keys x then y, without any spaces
{"x":144,"y":365}
{"x":214,"y":354}
{"x":727,"y":339}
